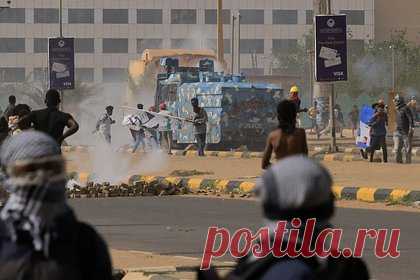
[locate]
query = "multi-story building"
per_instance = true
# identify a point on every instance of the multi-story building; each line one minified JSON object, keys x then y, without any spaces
{"x":392,"y":16}
{"x":109,"y":33}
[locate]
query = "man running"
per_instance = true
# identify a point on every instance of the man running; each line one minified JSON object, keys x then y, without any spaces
{"x":104,"y":124}
{"x":51,"y":120}
{"x":134,"y":124}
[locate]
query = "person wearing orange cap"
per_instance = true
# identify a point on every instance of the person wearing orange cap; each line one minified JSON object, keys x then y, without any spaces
{"x":166,"y":130}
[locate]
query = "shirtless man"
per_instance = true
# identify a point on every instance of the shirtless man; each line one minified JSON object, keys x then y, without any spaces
{"x":286,"y":140}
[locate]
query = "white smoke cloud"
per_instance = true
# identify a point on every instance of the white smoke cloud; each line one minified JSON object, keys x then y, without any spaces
{"x":373,"y":73}
{"x":108,"y":162}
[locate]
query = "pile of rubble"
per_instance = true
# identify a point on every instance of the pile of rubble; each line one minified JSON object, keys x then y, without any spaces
{"x":137,"y":188}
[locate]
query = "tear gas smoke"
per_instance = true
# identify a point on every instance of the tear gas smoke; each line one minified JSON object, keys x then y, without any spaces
{"x":109,"y":164}
{"x":373,"y":73}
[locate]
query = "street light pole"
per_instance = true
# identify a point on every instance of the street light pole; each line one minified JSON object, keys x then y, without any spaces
{"x":220,"y":47}
{"x":61,"y":18}
{"x":393,"y":68}
{"x":333,"y":144}
{"x":239,"y":43}
{"x":232,"y":48}
{"x":61,"y":36}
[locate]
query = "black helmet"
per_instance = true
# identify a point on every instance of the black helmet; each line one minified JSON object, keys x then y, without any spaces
{"x":398,"y":100}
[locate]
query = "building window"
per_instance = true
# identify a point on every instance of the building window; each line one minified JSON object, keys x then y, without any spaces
{"x":253,"y":71}
{"x":40,"y":45}
{"x":143,"y":44}
{"x":309,"y":17}
{"x":210,"y":16}
{"x":12,"y":45}
{"x":85,"y":75}
{"x":184,"y":16}
{"x":81,"y":16}
{"x":84,"y":45}
{"x":114,"y":75}
{"x":12,"y":74}
{"x":252,"y":16}
{"x":285,"y":17}
{"x":284,"y":45}
{"x":115,"y":16}
{"x":40,"y":74}
{"x":149,"y":16}
{"x":354,"y":17}
{"x":12,"y":15}
{"x":252,"y":46}
{"x":212,"y":44}
{"x":46,"y":16}
{"x":111,"y":45}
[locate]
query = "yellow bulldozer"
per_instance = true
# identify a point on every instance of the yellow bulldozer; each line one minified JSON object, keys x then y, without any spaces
{"x":143,"y":71}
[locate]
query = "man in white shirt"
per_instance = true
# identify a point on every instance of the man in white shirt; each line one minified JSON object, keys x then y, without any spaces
{"x":134,"y":124}
{"x":104,"y":124}
{"x":165,"y":130}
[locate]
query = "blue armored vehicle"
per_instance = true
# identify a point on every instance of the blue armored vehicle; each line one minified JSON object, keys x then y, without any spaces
{"x":240,"y":113}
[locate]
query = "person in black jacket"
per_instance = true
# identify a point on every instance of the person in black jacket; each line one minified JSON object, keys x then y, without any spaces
{"x":378,"y":124}
{"x":404,"y":130}
{"x":40,"y":237}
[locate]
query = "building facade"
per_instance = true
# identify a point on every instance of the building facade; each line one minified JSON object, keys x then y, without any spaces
{"x":394,"y":16}
{"x":109,"y":33}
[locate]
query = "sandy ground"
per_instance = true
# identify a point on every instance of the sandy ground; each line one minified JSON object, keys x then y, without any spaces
{"x":344,"y":173}
{"x":136,"y":259}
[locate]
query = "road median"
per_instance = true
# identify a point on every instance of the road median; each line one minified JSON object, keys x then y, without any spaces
{"x":138,"y":185}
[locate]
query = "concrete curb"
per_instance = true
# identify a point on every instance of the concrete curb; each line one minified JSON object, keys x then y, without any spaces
{"x":197,"y":185}
{"x":362,"y":193}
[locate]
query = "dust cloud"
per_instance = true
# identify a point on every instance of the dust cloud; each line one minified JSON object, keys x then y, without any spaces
{"x":111,"y":163}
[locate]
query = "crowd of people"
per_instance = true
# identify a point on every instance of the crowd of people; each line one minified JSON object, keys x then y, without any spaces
{"x":49,"y":120}
{"x":405,"y":121}
{"x":41,"y":238}
{"x":153,"y":129}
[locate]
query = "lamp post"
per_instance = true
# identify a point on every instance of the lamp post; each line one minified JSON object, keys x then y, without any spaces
{"x":232,"y":48}
{"x":61,"y":36}
{"x":239,"y":43}
{"x":61,"y":18}
{"x":394,"y":86}
{"x":220,"y":43}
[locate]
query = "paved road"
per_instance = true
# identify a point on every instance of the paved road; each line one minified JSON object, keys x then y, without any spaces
{"x":178,"y":226}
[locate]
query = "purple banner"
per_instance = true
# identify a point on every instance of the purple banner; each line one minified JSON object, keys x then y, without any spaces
{"x":61,"y":63}
{"x":331,"y":48}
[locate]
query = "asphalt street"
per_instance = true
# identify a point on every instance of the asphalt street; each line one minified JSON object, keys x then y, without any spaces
{"x":178,"y":226}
